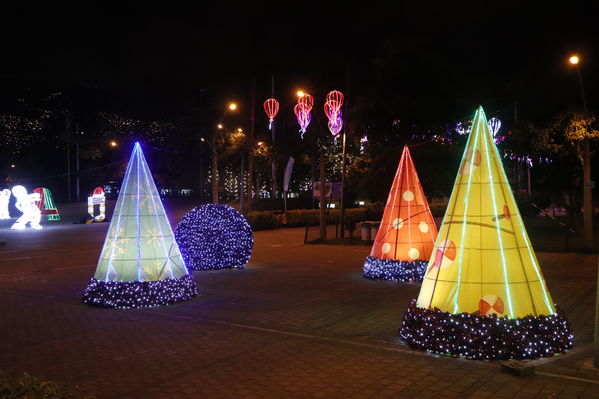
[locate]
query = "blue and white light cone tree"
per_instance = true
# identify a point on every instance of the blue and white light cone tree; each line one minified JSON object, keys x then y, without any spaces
{"x":140,"y":264}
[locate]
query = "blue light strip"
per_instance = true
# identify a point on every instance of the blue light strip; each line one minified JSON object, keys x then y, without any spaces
{"x":170,"y":230}
{"x":152,"y":200}
{"x":501,"y":251}
{"x":137,"y":224}
{"x":118,"y":211}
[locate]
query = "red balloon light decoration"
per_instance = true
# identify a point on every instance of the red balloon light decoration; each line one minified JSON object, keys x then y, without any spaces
{"x":271,"y":107}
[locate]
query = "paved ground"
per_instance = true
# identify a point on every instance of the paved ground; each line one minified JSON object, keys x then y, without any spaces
{"x":299,"y":322}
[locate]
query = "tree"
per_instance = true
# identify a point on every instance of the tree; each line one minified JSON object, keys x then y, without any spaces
{"x":563,"y":140}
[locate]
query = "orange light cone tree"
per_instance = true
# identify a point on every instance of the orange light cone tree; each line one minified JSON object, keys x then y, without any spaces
{"x":407,"y":232}
{"x":483,"y":295}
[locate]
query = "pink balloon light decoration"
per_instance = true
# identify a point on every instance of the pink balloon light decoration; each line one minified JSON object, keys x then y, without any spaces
{"x":336,"y":96}
{"x":332,"y":109}
{"x":271,"y":107}
{"x":302,"y":113}
{"x":307,"y":100}
{"x":336,"y":125}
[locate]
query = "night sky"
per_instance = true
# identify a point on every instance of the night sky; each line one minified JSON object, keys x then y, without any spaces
{"x":161,"y":61}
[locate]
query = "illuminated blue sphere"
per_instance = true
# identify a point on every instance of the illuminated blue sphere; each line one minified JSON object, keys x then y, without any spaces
{"x":214,"y":236}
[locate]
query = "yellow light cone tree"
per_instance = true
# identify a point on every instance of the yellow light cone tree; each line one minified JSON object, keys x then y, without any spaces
{"x":483,"y":294}
{"x":140,"y":264}
{"x":405,"y":238}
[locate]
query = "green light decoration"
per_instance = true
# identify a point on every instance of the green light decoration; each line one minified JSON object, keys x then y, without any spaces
{"x":140,"y":264}
{"x":483,"y":271}
{"x":46,"y":204}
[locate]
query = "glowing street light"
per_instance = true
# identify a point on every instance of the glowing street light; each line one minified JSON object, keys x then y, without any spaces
{"x":574,"y":60}
{"x":113,"y":144}
{"x":300,"y":93}
{"x":239,"y":130}
{"x":219,"y":128}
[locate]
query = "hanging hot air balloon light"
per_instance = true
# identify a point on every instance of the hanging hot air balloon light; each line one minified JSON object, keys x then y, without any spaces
{"x":307,"y":101}
{"x":337,"y":96}
{"x":335,"y":124}
{"x":302,"y":113}
{"x":271,"y":107}
{"x":332,"y":109}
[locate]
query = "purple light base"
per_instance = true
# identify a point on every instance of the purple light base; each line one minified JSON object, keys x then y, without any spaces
{"x":394,"y":270}
{"x":139,"y":294}
{"x":485,"y":337}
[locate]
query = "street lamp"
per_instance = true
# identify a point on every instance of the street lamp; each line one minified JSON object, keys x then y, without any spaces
{"x":219,"y":128}
{"x":113,"y":144}
{"x":587,"y":221}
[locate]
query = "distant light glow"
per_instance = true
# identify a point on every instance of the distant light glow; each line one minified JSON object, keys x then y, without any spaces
{"x":4,"y":200}
{"x":27,"y":203}
{"x":462,"y":128}
{"x":494,"y":126}
{"x":363,"y":142}
{"x":113,"y":143}
{"x":232,"y":106}
{"x":574,"y":60}
{"x":97,"y":198}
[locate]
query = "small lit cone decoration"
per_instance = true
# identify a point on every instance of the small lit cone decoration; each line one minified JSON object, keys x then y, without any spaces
{"x":483,"y":295}
{"x":271,"y":107}
{"x":46,"y":204}
{"x":140,"y":264}
{"x":407,"y":232}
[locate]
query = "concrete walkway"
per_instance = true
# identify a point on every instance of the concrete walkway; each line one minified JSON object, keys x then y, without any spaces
{"x":299,"y":322}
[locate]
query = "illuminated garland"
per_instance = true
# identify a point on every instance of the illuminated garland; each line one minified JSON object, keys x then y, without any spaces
{"x":485,"y":337}
{"x":214,"y":236}
{"x":394,"y":270}
{"x":139,"y":294}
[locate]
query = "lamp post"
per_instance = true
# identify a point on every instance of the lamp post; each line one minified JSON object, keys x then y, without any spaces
{"x":587,"y":221}
{"x":322,"y":210}
{"x":219,"y":128}
{"x":214,"y":167}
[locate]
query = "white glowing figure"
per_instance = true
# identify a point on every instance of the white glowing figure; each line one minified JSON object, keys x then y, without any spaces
{"x":26,"y":203}
{"x":4,"y":198}
{"x":97,"y":198}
